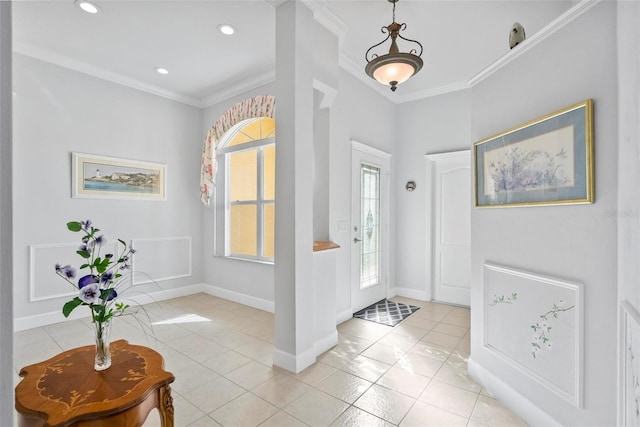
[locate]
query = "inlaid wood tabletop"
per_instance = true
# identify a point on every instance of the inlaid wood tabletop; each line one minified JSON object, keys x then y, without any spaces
{"x":66,"y":390}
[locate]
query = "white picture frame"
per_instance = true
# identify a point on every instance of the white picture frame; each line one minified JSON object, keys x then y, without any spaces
{"x":103,"y":177}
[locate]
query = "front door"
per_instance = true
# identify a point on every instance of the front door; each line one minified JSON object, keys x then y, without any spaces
{"x":369,"y":225}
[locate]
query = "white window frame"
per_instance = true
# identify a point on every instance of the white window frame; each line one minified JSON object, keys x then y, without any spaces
{"x":260,"y":202}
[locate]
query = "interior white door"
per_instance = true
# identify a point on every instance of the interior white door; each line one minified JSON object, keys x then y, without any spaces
{"x":450,"y":213}
{"x":369,"y":225}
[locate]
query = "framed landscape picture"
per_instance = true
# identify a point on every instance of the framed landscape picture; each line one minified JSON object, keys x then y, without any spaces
{"x":547,"y":161}
{"x":104,"y":177}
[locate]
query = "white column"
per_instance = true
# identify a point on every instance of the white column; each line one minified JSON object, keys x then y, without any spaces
{"x":294,"y":187}
{"x":6,"y":241}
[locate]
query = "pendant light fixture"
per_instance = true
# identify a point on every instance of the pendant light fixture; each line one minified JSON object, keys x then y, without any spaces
{"x":394,"y":67}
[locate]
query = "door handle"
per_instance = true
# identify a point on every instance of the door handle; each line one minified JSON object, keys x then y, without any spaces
{"x":356,"y":240}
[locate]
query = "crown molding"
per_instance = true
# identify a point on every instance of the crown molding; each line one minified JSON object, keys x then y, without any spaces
{"x":322,"y":15}
{"x":439,"y":90}
{"x":205,"y":102}
{"x":100,"y":73}
{"x":274,"y":3}
{"x":315,"y":5}
{"x":327,"y":19}
{"x":529,"y":43}
{"x":240,"y":88}
{"x":329,"y":93}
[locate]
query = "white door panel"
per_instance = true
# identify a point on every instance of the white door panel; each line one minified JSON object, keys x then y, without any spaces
{"x":450,"y":237}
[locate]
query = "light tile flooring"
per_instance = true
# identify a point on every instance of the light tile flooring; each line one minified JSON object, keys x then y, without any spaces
{"x":220,"y":352}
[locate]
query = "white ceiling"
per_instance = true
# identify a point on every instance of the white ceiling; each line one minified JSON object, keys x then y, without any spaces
{"x":129,"y":39}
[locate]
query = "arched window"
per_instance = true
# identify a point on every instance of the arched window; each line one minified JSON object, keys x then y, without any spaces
{"x":247,"y":179}
{"x":259,"y":106}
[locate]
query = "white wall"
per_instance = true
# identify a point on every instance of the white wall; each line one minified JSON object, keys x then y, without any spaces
{"x":326,"y":78}
{"x":321,"y":169}
{"x":572,"y":242}
{"x":246,"y":281}
{"x":363,"y":115}
{"x":253,"y":282}
{"x":357,"y":113}
{"x":628,"y":214}
{"x":6,"y":252}
{"x":433,"y":125}
{"x":58,"y":111}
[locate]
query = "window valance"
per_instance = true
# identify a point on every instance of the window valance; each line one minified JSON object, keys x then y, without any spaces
{"x":260,"y":106}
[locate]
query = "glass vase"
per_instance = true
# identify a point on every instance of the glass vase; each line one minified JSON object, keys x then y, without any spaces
{"x":103,"y":341}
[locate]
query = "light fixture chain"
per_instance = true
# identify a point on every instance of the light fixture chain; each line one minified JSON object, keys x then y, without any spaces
{"x":394,"y":11}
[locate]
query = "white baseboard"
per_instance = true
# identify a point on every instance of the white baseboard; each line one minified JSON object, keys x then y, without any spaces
{"x":343,"y":316}
{"x":259,"y":303}
{"x":325,"y":343}
{"x":408,"y":293}
{"x":509,"y":397}
{"x":150,"y":297}
{"x":43,"y":319}
{"x":294,"y":363}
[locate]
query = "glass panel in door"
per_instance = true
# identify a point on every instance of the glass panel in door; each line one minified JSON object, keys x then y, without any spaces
{"x":370,"y":226}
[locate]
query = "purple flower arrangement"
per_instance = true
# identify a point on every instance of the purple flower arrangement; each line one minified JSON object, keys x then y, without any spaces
{"x":98,"y":288}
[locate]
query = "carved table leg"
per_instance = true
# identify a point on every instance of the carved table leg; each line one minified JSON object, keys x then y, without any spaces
{"x":166,"y":406}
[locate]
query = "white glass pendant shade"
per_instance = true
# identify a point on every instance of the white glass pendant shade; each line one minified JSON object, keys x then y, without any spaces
{"x":394,"y":68}
{"x":397,"y":72}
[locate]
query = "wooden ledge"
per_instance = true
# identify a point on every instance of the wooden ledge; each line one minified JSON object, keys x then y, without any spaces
{"x":324,"y":246}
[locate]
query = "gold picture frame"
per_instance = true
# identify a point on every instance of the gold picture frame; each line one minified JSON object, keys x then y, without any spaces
{"x":547,"y":161}
{"x":102,"y":177}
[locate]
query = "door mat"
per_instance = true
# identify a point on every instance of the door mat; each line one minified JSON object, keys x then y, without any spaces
{"x":386,"y":312}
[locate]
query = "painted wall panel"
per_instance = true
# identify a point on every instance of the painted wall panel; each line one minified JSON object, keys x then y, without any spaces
{"x":629,"y":378}
{"x":534,"y":323}
{"x":43,"y":282}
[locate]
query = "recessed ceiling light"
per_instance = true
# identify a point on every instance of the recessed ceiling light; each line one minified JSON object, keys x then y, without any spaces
{"x":162,"y":71}
{"x":226,"y":29}
{"x":87,"y":6}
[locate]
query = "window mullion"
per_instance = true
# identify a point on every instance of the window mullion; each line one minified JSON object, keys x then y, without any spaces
{"x":227,"y":206}
{"x":246,"y":146}
{"x":260,"y":208}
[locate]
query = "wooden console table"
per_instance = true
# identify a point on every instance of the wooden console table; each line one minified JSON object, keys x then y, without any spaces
{"x":66,"y":391}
